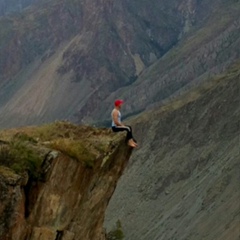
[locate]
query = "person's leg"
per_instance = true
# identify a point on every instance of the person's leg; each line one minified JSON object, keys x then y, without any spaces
{"x":129,"y":137}
{"x":121,"y":129}
{"x":131,"y":134}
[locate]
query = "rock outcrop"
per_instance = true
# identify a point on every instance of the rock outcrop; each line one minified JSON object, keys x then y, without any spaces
{"x":68,"y":197}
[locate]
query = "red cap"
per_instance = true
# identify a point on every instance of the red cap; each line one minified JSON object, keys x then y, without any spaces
{"x":118,"y":102}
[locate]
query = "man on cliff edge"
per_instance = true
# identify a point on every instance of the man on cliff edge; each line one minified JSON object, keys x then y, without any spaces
{"x":118,"y":126}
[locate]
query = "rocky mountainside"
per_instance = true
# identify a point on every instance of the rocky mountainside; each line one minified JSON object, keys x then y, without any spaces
{"x":12,"y":6}
{"x":70,"y":59}
{"x":183,"y":181}
{"x":206,"y":51}
{"x":56,"y":181}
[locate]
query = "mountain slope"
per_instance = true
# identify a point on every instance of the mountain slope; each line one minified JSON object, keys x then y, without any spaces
{"x":183,"y":181}
{"x":70,"y":59}
{"x":205,"y":52}
{"x":12,"y":6}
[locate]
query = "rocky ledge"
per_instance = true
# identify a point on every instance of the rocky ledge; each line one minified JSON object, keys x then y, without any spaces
{"x":56,"y":181}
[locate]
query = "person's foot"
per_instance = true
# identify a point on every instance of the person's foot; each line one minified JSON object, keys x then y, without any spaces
{"x":131,"y":143}
{"x":135,"y":143}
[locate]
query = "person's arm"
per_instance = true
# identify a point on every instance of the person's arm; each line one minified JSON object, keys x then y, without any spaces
{"x":115,"y":118}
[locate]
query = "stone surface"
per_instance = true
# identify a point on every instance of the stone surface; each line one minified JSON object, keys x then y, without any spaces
{"x":183,"y":181}
{"x":12,"y":208}
{"x":68,"y":235}
{"x":12,"y":6}
{"x":43,"y":233}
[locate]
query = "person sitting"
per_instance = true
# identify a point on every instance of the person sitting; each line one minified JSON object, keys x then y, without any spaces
{"x":118,"y":126}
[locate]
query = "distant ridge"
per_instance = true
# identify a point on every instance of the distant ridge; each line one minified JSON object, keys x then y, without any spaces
{"x":71,"y":59}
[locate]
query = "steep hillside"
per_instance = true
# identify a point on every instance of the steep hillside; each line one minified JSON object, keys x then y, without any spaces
{"x":12,"y":6}
{"x":56,"y":181}
{"x":70,"y":59}
{"x":204,"y":52}
{"x":183,"y":182}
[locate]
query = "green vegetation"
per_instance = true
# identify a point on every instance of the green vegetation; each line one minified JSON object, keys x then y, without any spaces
{"x":20,"y":157}
{"x":74,"y":149}
{"x":51,"y":131}
{"x":23,"y":137}
{"x":72,"y":140}
{"x":56,"y":130}
{"x":117,"y":233}
{"x":78,"y":142}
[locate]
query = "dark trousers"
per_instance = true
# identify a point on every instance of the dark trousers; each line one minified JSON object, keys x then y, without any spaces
{"x":128,"y":129}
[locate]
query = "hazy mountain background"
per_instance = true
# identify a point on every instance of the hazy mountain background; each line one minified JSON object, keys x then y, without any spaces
{"x":70,"y":59}
{"x":14,"y":6}
{"x":175,"y":63}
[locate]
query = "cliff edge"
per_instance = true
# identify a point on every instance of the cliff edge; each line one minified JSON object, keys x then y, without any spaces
{"x":56,"y":181}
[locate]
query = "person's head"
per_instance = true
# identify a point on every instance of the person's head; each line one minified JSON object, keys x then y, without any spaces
{"x":118,"y":103}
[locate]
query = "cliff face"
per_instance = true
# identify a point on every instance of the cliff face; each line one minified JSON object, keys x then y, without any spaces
{"x":66,"y":196}
{"x":183,"y":182}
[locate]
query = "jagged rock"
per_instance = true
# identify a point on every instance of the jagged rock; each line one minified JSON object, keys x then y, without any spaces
{"x":47,"y":162}
{"x":43,"y":233}
{"x":12,"y":218}
{"x":68,"y":235}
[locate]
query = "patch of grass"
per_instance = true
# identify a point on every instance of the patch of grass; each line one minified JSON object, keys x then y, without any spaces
{"x":47,"y":132}
{"x":18,"y":156}
{"x":52,"y":131}
{"x":83,"y":143}
{"x":116,"y":233}
{"x":7,"y":172}
{"x":23,"y":137}
{"x":75,"y":149}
